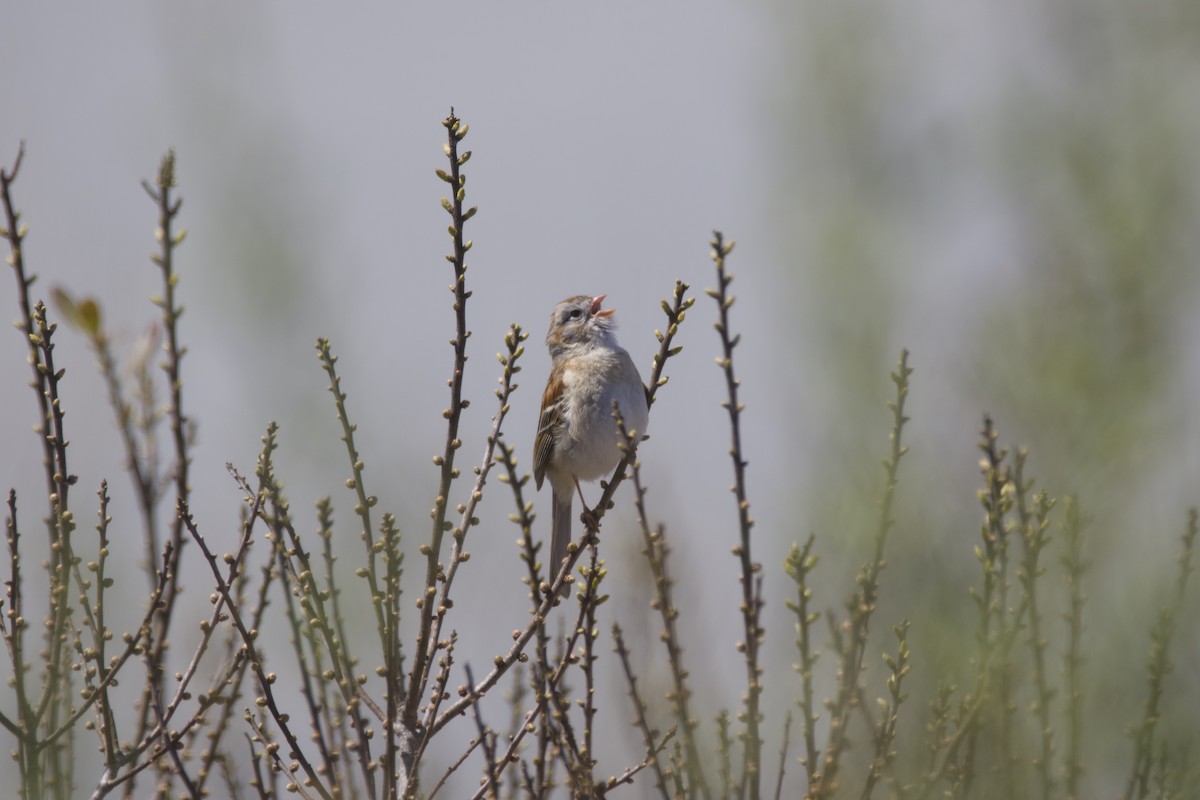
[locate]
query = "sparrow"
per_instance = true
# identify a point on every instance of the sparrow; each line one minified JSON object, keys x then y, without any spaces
{"x":577,"y":437}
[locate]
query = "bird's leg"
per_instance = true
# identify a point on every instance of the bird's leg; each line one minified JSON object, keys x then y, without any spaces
{"x":588,"y":517}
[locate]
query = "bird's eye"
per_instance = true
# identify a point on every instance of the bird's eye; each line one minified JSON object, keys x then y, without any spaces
{"x":576,"y":313}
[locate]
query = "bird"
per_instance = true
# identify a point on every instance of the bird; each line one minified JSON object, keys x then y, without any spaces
{"x":577,"y":437}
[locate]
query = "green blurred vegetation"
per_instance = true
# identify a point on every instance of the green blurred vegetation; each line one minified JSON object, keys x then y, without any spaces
{"x":1013,"y":194}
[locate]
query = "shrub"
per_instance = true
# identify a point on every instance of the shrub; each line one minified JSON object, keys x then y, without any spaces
{"x":314,"y":723}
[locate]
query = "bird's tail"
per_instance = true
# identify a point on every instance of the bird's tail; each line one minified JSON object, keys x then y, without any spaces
{"x":560,"y":538}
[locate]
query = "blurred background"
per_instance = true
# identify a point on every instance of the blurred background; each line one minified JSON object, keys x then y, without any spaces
{"x":1009,"y":191}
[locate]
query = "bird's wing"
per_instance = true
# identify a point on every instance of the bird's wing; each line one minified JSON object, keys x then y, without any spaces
{"x":548,"y":427}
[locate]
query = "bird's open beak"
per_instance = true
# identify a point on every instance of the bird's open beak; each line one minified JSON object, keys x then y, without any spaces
{"x":596,"y":310}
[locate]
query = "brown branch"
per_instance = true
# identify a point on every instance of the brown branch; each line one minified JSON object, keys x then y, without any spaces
{"x":641,"y":722}
{"x":248,"y":637}
{"x":752,"y":602}
{"x":426,"y":643}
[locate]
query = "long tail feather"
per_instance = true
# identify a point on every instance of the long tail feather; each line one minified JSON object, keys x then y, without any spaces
{"x":561,"y":536}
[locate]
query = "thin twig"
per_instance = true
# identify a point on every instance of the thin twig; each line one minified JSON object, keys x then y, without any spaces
{"x":641,"y":722}
{"x":255,"y":657}
{"x":489,"y":744}
{"x":752,"y":602}
{"x":783,"y":754}
{"x":474,"y":743}
{"x":178,"y":423}
{"x":657,"y":552}
{"x":1075,"y":566}
{"x":564,"y":663}
{"x":861,"y":605}
{"x":799,"y":563}
{"x":426,"y":640}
